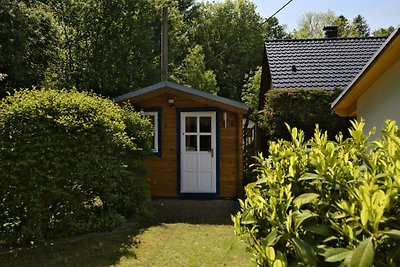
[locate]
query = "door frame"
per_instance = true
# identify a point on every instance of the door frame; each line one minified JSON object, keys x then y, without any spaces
{"x":178,"y":151}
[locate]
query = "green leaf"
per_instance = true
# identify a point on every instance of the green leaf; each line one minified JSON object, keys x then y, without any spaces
{"x":270,"y":252}
{"x":310,"y":176}
{"x":262,"y":181}
{"x":364,"y":216}
{"x":300,"y":216}
{"x":346,"y":261}
{"x":320,"y":229}
{"x":304,"y":199}
{"x":363,"y":255}
{"x":272,"y":238}
{"x":247,"y":217}
{"x":278,"y":263}
{"x":338,"y":215}
{"x":304,"y":251}
{"x":335,"y":254}
{"x":394,"y":233}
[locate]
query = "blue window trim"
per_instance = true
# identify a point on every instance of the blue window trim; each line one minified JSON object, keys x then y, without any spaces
{"x":159,"y":132}
{"x":178,"y":151}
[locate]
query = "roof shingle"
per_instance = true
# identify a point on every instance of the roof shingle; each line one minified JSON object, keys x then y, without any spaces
{"x":319,"y":63}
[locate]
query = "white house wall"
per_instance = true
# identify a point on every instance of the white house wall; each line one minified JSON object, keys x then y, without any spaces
{"x":382,"y":100}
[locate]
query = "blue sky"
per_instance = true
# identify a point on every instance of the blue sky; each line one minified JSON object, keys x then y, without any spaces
{"x":378,"y":13}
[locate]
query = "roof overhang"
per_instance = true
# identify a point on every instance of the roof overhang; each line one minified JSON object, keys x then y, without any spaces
{"x":159,"y":87}
{"x":346,"y":103}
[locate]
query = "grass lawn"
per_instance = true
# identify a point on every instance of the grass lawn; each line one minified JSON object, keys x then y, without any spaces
{"x":162,"y":244}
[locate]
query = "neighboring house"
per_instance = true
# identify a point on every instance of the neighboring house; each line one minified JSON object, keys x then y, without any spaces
{"x":327,"y":63}
{"x":198,"y":140}
{"x":374,"y":94}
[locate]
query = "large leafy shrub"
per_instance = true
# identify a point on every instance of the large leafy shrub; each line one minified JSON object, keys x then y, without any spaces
{"x":70,"y":163}
{"x":301,"y":109}
{"x":325,"y":203}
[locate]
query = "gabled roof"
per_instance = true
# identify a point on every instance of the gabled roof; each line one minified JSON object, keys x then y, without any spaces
{"x":318,"y":63}
{"x":346,"y":103}
{"x":181,"y":88}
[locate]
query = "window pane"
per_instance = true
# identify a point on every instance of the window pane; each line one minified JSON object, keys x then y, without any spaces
{"x":205,"y":124}
{"x":191,"y":124}
{"x":205,"y":142}
{"x":191,"y":142}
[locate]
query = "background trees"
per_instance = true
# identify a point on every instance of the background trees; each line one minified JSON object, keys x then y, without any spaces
{"x":106,"y":45}
{"x":359,"y":27}
{"x":29,"y":44}
{"x":231,"y":34}
{"x":112,"y":47}
{"x":193,"y":73}
{"x":383,"y":31}
{"x":311,"y":25}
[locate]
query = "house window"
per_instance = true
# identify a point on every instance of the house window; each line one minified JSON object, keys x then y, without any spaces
{"x":154,"y":117}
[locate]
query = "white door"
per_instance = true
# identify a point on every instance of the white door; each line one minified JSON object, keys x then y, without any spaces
{"x":198,"y":153}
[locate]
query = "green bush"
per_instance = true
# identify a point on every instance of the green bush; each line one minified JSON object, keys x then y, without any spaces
{"x":301,"y":109}
{"x":70,"y":163}
{"x":325,"y":203}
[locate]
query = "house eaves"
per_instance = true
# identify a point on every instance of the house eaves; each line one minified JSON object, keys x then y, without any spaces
{"x":184,"y":89}
{"x":346,"y":103}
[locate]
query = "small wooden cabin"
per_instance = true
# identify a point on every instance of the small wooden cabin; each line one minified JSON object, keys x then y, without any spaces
{"x":198,"y":142}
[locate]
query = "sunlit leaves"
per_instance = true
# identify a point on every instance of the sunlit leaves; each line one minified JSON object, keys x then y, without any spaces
{"x":70,"y":163}
{"x":363,"y":255}
{"x":326,"y":201}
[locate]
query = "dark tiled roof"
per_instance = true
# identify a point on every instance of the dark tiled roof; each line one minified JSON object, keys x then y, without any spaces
{"x":319,"y":63}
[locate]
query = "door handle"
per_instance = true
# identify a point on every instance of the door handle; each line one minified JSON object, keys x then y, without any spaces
{"x":212,"y":152}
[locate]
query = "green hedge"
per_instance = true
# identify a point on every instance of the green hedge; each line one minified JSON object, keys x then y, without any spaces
{"x":70,"y":163}
{"x":301,"y":109}
{"x":325,"y":203}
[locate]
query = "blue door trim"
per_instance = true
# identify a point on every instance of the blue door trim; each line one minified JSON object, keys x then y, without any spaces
{"x":178,"y":151}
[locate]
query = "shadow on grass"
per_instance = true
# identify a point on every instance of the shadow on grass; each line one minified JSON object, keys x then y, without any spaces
{"x":105,"y":249}
{"x":99,"y":249}
{"x":203,"y":211}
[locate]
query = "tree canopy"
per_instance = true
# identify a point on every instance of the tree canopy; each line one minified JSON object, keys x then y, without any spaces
{"x":383,"y":31}
{"x":231,"y":34}
{"x":311,"y":25}
{"x":29,"y":43}
{"x":113,"y":46}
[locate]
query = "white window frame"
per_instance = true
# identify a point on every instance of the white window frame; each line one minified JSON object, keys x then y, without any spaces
{"x":156,"y":133}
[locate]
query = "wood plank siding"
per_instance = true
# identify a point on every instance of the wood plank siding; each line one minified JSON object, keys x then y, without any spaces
{"x":163,"y":170}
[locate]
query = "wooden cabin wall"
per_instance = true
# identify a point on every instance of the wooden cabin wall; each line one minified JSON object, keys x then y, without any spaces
{"x":162,"y":174}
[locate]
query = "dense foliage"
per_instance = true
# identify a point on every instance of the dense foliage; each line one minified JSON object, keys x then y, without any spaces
{"x":311,"y":25}
{"x":251,"y":91}
{"x":383,"y":31}
{"x":302,"y":109}
{"x":113,"y":46}
{"x":105,"y":45}
{"x":70,"y":163}
{"x":29,"y":40}
{"x":193,"y":73}
{"x":325,"y":203}
{"x":232,"y":35}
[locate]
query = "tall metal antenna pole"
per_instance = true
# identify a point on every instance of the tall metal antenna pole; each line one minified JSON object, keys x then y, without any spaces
{"x":164,"y":45}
